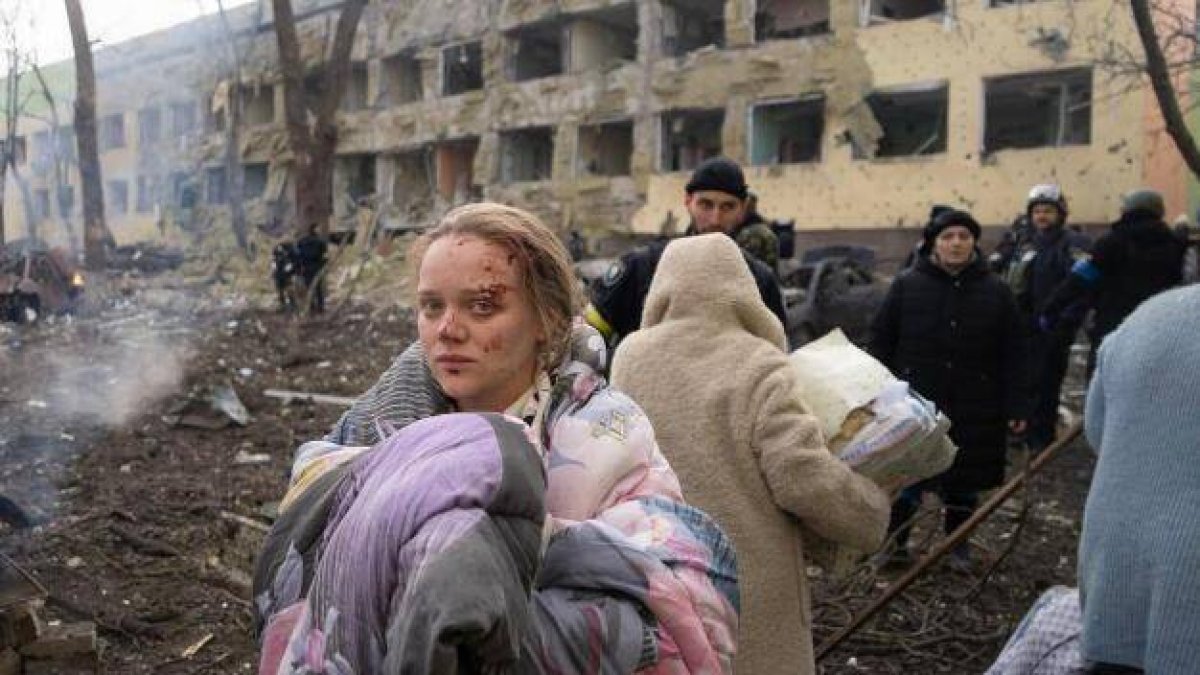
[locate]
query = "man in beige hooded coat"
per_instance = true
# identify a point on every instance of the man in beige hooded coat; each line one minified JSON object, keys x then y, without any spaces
{"x":710,"y":370}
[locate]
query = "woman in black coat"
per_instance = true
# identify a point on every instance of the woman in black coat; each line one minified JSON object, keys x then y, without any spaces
{"x":950,"y":328}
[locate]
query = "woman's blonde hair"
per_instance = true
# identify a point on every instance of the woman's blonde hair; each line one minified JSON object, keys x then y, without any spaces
{"x":543,"y":262}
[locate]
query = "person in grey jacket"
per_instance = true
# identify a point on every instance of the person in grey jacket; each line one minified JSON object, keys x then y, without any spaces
{"x":1139,"y":553}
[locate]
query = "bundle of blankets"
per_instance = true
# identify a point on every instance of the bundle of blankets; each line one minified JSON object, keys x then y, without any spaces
{"x":488,"y":543}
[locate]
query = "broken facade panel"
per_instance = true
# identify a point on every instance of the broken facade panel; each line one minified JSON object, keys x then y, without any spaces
{"x":526,"y":155}
{"x":1033,"y":110}
{"x":689,"y":137}
{"x":787,"y":132}
{"x":786,"y":19}
{"x":914,"y":121}
{"x":215,"y":186}
{"x":885,"y":11}
{"x":353,"y":182}
{"x":605,"y":149}
{"x":602,"y":38}
{"x":401,"y":79}
{"x":258,"y":105}
{"x":254,"y":180}
{"x":462,"y":68}
{"x":690,"y":25}
{"x":536,"y":51}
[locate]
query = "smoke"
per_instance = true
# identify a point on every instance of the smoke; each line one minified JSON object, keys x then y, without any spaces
{"x":114,"y":381}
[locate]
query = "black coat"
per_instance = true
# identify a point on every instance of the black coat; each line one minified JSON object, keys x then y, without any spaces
{"x":1138,"y":258}
{"x":958,"y":342}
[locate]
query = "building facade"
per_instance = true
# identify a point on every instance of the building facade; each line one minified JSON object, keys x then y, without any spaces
{"x":852,"y":116}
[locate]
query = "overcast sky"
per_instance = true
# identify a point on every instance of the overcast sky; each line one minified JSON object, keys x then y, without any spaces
{"x":108,"y":21}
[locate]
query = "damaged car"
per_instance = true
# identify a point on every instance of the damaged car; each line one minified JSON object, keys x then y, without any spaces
{"x":831,"y":287}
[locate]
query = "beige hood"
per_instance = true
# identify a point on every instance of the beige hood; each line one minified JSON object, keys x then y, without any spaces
{"x":706,"y":278}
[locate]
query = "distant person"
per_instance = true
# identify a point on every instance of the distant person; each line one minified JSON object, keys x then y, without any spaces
{"x":1139,"y":552}
{"x":310,"y":251}
{"x":283,"y":270}
{"x":913,"y":255}
{"x":950,"y":329}
{"x":716,"y":200}
{"x":1139,"y":257}
{"x":1041,"y":262}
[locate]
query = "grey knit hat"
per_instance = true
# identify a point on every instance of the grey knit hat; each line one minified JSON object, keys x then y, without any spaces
{"x":1143,"y":201}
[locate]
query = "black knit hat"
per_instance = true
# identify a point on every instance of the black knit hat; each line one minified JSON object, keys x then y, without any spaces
{"x":721,"y":174}
{"x":949,"y":218}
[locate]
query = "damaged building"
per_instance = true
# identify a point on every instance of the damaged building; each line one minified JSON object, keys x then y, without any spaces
{"x":852,"y":116}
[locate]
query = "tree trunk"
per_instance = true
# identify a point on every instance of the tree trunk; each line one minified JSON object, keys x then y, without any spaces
{"x":1164,"y":89}
{"x":314,"y":143}
{"x":31,"y":217}
{"x":94,"y":229}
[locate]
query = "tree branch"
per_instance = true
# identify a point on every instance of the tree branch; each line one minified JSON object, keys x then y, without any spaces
{"x":1164,"y":90}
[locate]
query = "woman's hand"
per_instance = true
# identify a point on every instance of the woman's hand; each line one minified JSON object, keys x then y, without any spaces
{"x":1017,"y":426}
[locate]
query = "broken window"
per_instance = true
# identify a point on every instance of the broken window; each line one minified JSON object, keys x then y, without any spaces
{"x":690,"y":137}
{"x":118,"y":196}
{"x":913,"y":122}
{"x":462,"y":68}
{"x":214,"y":120}
{"x":605,"y":149}
{"x":112,"y":131}
{"x":692,"y":25}
{"x":787,"y":133}
{"x":66,"y":199}
{"x":411,"y":183}
{"x":787,"y":19}
{"x":147,"y":186}
{"x":1035,"y":110}
{"x":215,"y":191}
{"x":149,"y":125}
{"x":254,"y":180}
{"x":598,"y":39}
{"x":537,"y":51}
{"x":357,"y":178}
{"x":42,"y":148}
{"x":401,"y":79}
{"x":258,"y":105}
{"x":455,"y":164}
{"x":18,"y":152}
{"x":526,"y":154}
{"x":183,"y":118}
{"x":355,"y":96}
{"x":885,"y":11}
{"x":183,"y":192}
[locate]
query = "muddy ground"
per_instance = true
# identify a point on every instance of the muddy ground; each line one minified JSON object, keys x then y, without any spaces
{"x":150,"y":526}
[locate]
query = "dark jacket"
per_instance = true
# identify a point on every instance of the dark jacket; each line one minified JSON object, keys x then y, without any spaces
{"x":620,"y":295}
{"x":1138,"y":258}
{"x":1039,"y":267}
{"x":958,"y":342}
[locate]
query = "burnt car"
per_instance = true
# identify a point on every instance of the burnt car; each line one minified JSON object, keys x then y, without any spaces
{"x":831,"y":287}
{"x":35,"y":280}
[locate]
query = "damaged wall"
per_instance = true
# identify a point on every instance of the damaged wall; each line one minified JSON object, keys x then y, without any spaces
{"x":831,"y":180}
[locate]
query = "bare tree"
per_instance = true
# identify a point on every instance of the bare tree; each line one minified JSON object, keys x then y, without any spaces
{"x":234,"y":114}
{"x":312,"y":120}
{"x":94,"y":229}
{"x":1160,"y":72}
{"x":60,"y":161}
{"x":12,"y":146}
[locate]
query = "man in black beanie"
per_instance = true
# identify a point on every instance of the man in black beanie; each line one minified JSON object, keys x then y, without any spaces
{"x":716,"y":201}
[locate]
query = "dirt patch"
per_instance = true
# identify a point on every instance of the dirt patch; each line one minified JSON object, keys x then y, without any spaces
{"x":152,"y":529}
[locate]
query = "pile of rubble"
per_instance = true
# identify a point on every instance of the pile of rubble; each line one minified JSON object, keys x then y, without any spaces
{"x":31,"y":646}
